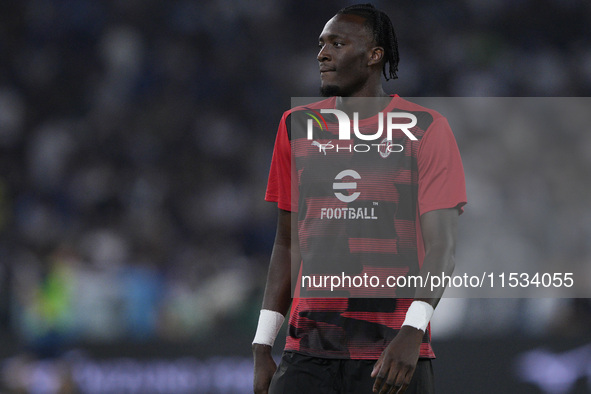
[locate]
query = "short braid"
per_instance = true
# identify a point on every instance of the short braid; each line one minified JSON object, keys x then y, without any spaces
{"x":383,"y":33}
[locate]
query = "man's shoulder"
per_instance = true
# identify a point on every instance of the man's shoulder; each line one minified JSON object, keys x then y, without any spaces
{"x":326,"y":103}
{"x":427,"y":118}
{"x":412,"y":106}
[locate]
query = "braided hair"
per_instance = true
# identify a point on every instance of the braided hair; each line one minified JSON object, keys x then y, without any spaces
{"x":380,"y":25}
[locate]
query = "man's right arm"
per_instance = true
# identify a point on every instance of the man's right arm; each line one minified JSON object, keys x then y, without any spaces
{"x":278,"y":288}
{"x":277,"y":298}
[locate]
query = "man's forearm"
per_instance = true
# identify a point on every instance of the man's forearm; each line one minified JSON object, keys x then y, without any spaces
{"x":277,"y":298}
{"x":439,"y":229}
{"x":439,"y":259}
{"x":278,"y":288}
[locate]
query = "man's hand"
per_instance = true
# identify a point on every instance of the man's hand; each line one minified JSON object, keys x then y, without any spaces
{"x":264,"y":368}
{"x":396,"y":365}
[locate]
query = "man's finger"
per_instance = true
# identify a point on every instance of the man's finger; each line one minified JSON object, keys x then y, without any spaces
{"x":389,"y":384}
{"x":404,"y":383}
{"x":381,"y":380}
{"x":388,"y":388}
{"x":378,"y":384}
{"x":376,"y":368}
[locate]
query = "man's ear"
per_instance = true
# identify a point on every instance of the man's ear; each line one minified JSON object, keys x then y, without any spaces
{"x":377,"y":54}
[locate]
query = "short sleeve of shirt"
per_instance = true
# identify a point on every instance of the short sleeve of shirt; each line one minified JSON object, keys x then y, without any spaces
{"x":279,"y":183}
{"x":441,"y":174}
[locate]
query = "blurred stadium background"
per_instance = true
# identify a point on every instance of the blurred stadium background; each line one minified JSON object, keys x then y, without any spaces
{"x":135,"y":140}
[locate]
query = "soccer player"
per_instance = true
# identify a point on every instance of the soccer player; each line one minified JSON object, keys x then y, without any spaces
{"x":415,"y":192}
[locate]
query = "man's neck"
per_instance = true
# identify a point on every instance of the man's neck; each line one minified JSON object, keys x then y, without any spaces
{"x":365,"y":106}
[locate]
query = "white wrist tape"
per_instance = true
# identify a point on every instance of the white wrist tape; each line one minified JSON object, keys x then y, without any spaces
{"x":269,"y":324}
{"x":418,"y":315}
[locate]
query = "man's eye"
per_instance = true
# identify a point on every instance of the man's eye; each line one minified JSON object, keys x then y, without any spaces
{"x":338,"y":44}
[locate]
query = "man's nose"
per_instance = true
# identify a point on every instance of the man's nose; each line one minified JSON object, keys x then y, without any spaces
{"x":323,"y":54}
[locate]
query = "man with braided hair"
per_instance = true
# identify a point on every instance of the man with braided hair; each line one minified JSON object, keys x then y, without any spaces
{"x":354,"y":344}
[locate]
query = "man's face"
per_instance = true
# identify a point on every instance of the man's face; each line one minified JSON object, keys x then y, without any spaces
{"x":345,"y":50}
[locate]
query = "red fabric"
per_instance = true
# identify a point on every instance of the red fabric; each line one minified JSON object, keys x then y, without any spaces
{"x":441,"y":174}
{"x":279,"y":183}
{"x":440,"y":185}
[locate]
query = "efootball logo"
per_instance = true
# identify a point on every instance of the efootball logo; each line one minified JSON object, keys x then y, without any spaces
{"x":338,"y":186}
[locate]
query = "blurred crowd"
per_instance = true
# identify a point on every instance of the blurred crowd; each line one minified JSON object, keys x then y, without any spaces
{"x":136,"y":135}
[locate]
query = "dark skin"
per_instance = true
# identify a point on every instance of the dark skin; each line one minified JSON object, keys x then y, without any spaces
{"x":351,"y":64}
{"x":348,"y":58}
{"x":395,"y":367}
{"x":277,"y":298}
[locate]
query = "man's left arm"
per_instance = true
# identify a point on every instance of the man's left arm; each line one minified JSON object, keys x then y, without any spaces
{"x":397,"y":363}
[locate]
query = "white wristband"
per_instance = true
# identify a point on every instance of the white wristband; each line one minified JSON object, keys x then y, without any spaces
{"x":418,"y":315}
{"x":269,"y":324}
